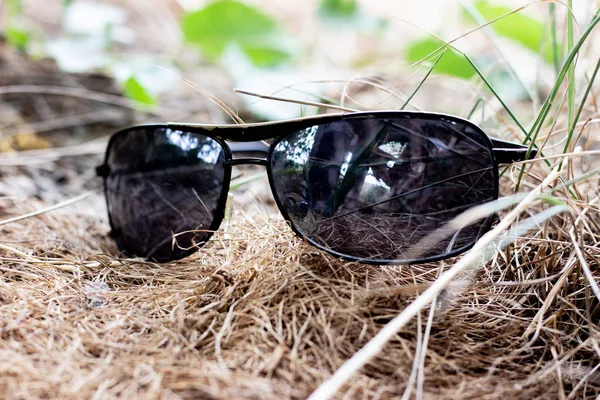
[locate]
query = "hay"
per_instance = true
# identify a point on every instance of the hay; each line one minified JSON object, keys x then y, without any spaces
{"x":259,"y":314}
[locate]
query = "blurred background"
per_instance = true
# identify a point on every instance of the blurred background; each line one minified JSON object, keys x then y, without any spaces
{"x":74,"y":71}
{"x":80,"y":321}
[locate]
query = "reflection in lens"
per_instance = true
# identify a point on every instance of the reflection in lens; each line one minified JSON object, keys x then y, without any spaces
{"x":373,"y":188}
{"x":163,"y":190}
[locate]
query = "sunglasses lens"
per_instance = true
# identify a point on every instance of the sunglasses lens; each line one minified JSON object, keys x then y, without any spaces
{"x":382,"y":190}
{"x":163,"y":191}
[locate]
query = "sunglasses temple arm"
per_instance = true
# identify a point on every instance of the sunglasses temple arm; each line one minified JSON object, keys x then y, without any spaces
{"x":508,"y":152}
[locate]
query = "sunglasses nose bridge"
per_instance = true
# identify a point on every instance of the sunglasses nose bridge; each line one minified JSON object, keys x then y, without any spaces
{"x":247,"y":149}
{"x":246,"y":161}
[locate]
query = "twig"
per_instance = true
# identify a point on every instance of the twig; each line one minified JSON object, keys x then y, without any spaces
{"x":29,"y":157}
{"x":213,"y":99}
{"x":51,"y":208}
{"x":62,"y":122}
{"x":73,"y":92}
{"x":288,"y":100}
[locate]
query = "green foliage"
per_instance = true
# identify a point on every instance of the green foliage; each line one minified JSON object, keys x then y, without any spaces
{"x":451,"y":63}
{"x":340,"y":14}
{"x":338,"y":9}
{"x":226,"y":22}
{"x":15,"y":33}
{"x":518,"y":27}
{"x":532,"y":135}
{"x":15,"y":7}
{"x":134,"y":90}
{"x":17,"y":38}
{"x":77,"y":50}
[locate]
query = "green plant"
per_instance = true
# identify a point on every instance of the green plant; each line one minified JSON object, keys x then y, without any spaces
{"x":16,"y":31}
{"x":229,"y":22}
{"x":517,"y":27}
{"x":341,"y":9}
{"x":450,"y":63}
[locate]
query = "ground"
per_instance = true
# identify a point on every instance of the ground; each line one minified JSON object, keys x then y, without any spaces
{"x":257,"y":313}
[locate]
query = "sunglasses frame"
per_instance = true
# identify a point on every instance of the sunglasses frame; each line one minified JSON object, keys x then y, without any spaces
{"x":243,"y":138}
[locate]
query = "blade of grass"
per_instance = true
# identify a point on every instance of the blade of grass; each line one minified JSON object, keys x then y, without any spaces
{"x":495,"y":93}
{"x":584,"y":98}
{"x":573,"y":51}
{"x":477,"y":103}
{"x":479,"y":73}
{"x":244,"y":180}
{"x":450,"y":44}
{"x":571,"y":75}
{"x":213,"y":99}
{"x":580,"y":178}
{"x":369,"y":81}
{"x":573,"y":124}
{"x":555,"y":55}
{"x":543,"y":114}
{"x":530,"y":135}
{"x":423,"y":80}
{"x":479,"y":19}
{"x":44,"y":210}
{"x":296,"y":101}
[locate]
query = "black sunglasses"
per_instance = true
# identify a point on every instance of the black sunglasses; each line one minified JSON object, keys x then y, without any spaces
{"x":367,"y":186}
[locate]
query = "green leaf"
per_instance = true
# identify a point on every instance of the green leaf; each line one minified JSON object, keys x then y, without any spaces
{"x":226,"y":22}
{"x":17,"y":38}
{"x":338,"y":9}
{"x":518,"y":27}
{"x":451,"y":63}
{"x":340,"y":14}
{"x":134,"y":90}
{"x":15,"y":8}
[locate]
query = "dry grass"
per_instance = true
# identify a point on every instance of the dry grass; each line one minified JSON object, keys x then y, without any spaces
{"x":258,"y":314}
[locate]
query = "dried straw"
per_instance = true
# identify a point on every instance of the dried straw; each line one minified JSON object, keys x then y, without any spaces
{"x":257,"y":313}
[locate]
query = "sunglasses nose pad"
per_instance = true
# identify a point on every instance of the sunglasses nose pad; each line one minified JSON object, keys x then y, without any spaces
{"x":298,"y":209}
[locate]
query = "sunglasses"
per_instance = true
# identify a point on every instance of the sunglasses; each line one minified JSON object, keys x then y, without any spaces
{"x":365,"y":186}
